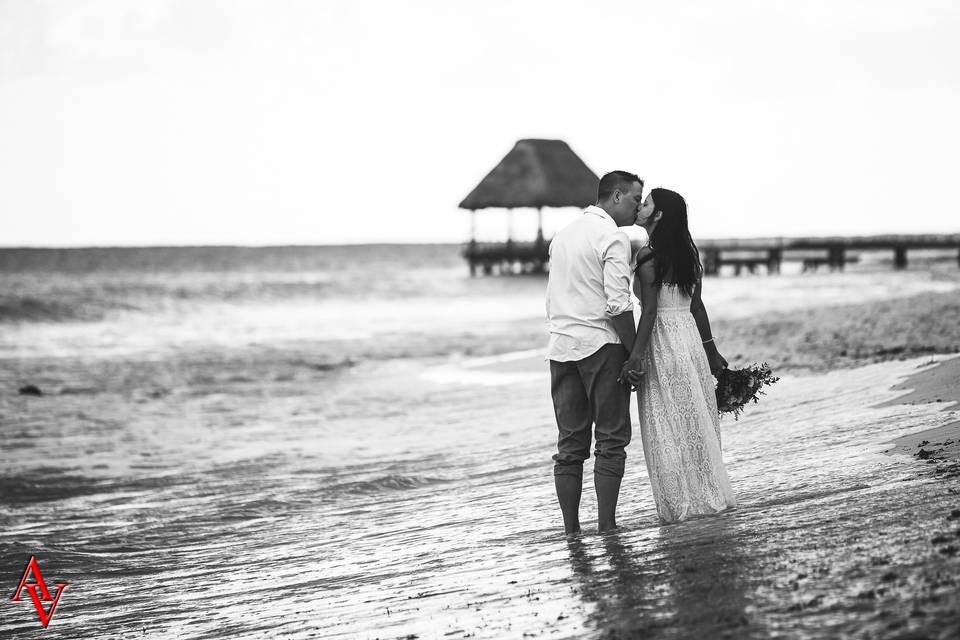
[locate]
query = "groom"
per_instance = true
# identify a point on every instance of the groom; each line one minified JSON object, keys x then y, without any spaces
{"x":590,"y":317}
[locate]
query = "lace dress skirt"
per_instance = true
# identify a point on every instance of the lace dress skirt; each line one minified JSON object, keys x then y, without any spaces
{"x":679,"y":423}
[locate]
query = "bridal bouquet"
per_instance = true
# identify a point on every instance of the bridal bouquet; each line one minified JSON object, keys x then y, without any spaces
{"x":737,"y":387}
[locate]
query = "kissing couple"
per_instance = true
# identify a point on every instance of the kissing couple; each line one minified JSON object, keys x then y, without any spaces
{"x":597,"y":357}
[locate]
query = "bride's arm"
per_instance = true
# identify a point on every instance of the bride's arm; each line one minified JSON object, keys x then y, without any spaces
{"x":648,"y":314}
{"x":717,"y":362}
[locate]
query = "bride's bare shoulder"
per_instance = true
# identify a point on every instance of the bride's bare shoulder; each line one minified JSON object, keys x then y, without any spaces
{"x":643,"y":257}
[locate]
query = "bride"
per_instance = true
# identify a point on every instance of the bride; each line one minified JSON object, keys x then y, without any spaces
{"x":670,"y":364}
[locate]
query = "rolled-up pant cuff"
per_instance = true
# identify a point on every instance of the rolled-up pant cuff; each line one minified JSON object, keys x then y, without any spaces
{"x":568,"y":469}
{"x":611,"y":467}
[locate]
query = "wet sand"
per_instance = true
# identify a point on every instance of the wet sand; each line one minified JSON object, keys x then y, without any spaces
{"x":935,"y":383}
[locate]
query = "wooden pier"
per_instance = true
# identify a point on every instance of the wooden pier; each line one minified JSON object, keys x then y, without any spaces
{"x":743,"y":255}
{"x":500,"y":258}
{"x":832,"y":252}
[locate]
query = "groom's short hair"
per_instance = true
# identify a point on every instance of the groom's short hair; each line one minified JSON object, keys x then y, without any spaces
{"x":614,"y":180}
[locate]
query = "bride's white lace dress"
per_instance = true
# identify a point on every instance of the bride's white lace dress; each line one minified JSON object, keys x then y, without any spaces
{"x":679,"y":423}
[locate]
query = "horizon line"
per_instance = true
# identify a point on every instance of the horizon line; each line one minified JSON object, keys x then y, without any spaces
{"x":417,"y":244}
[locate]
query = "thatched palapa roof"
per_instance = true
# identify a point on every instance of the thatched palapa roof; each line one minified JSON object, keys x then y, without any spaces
{"x":536,"y":173}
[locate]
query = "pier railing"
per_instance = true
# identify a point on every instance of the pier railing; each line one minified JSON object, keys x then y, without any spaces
{"x":743,"y":254}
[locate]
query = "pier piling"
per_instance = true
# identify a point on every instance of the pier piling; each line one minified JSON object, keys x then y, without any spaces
{"x":900,"y":257}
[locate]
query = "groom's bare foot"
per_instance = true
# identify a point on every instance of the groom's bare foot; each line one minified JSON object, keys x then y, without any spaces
{"x":608,"y":490}
{"x":568,"y":495}
{"x":605,"y":527}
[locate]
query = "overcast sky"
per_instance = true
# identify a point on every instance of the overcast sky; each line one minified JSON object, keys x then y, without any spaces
{"x":200,"y":122}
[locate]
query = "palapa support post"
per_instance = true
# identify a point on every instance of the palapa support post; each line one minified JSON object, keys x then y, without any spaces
{"x":472,"y":250}
{"x":506,"y":262}
{"x":539,"y":226}
{"x":539,"y":247}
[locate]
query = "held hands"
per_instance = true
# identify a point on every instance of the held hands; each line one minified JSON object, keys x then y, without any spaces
{"x":631,"y":373}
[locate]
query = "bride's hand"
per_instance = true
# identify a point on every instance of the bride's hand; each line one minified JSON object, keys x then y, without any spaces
{"x":717,"y":363}
{"x":631,"y":373}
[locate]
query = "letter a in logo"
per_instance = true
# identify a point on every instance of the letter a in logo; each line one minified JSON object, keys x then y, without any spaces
{"x":44,"y":593}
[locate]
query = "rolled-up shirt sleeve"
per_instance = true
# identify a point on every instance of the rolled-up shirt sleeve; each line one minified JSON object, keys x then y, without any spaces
{"x":616,"y":273}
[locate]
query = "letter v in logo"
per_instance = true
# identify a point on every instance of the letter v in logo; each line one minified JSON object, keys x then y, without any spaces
{"x":44,"y":593}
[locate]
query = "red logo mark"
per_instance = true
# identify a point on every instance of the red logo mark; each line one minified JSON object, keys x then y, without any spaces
{"x":44,"y":593}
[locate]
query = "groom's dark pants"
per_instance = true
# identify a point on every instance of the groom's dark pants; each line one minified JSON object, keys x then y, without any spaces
{"x":586,"y":392}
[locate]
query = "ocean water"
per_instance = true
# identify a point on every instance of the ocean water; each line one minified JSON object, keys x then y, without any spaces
{"x":95,"y":302}
{"x":355,"y":443}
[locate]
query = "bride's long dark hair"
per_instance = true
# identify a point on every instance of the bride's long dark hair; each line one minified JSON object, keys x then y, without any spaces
{"x":675,"y":252}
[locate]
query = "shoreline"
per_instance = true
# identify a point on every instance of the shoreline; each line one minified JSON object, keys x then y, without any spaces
{"x":938,"y":383}
{"x":934,"y":382}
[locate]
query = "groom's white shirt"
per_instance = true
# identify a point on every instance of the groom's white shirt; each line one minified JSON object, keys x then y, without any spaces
{"x":589,"y":282}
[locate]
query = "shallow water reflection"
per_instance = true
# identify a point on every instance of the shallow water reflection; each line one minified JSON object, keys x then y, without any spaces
{"x":685,"y":579}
